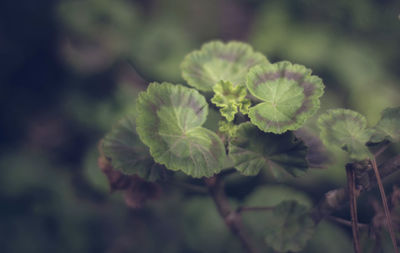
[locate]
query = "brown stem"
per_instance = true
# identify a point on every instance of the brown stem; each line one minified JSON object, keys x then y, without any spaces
{"x":231,"y":218}
{"x":346,"y":222}
{"x":385,"y":206}
{"x":387,"y":168}
{"x":382,"y":149}
{"x":351,"y":188}
{"x":335,"y":199}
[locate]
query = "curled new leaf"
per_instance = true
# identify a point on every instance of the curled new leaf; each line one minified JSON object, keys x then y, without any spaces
{"x":388,"y":128}
{"x":227,"y":127}
{"x":230,"y":99}
{"x":218,"y":61}
{"x":128,"y":154}
{"x":253,"y":150}
{"x":169,"y":122}
{"x":346,"y":129}
{"x":291,"y":227}
{"x":289,"y":95}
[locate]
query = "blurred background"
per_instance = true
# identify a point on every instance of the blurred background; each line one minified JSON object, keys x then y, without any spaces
{"x":69,"y":69}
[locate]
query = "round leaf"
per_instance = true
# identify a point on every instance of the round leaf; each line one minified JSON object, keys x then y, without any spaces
{"x":270,"y":196}
{"x":218,"y":61}
{"x":128,"y":154}
{"x":291,"y":227}
{"x":169,"y":122}
{"x":346,"y":129}
{"x":289,"y":95}
{"x":388,"y":128}
{"x":253,"y":150}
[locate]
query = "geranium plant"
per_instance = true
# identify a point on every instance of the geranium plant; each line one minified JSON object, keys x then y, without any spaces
{"x":260,"y":106}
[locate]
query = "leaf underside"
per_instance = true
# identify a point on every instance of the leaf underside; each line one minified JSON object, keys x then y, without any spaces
{"x":346,"y":129}
{"x":388,"y":128}
{"x":128,"y":154}
{"x":289,"y":95}
{"x":217,"y":61}
{"x":169,"y":122}
{"x":253,"y":150}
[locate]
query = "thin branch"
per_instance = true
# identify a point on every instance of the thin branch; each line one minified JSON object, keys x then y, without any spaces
{"x":351,"y":188}
{"x":382,"y":149}
{"x":254,"y":209}
{"x":387,"y":168}
{"x":385,"y":206}
{"x":346,"y":222}
{"x":232,"y":219}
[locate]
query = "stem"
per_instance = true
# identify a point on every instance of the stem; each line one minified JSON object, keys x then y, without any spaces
{"x":389,"y":222}
{"x":387,"y":168}
{"x":231,"y":218}
{"x":351,"y":188}
{"x":346,"y":222}
{"x":382,"y":149}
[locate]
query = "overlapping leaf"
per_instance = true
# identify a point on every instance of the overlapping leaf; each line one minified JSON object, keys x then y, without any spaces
{"x":291,"y":227}
{"x":128,"y":154}
{"x":169,"y":122}
{"x":230,"y":99}
{"x":289,"y":95}
{"x":317,"y":154}
{"x":388,"y":128}
{"x":218,"y":61}
{"x":272,"y":196}
{"x":253,"y":150}
{"x":346,"y":129}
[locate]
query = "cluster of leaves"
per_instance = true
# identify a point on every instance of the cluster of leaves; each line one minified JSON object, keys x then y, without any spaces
{"x":261,"y":101}
{"x":260,"y":104}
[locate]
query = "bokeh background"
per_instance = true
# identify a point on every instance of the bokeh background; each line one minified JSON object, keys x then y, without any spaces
{"x":70,"y":69}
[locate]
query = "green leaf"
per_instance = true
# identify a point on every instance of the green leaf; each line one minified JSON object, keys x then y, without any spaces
{"x":317,"y":154}
{"x":346,"y":129}
{"x":291,"y":227}
{"x":227,"y":127}
{"x":289,"y":95}
{"x":269,"y":196}
{"x":218,"y":61}
{"x":244,"y":106}
{"x":128,"y":154}
{"x":169,"y":122}
{"x":229,"y":98}
{"x":388,"y":128}
{"x":253,"y":150}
